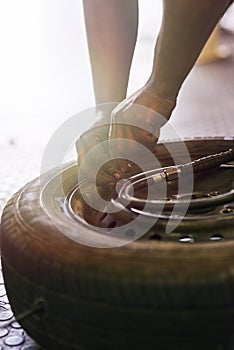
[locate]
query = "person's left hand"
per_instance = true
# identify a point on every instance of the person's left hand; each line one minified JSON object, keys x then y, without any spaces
{"x":94,"y":159}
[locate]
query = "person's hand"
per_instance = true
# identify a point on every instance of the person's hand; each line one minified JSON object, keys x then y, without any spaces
{"x":137,"y":118}
{"x":94,"y":158}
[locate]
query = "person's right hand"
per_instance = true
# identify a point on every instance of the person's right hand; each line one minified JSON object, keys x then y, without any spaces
{"x":137,"y":118}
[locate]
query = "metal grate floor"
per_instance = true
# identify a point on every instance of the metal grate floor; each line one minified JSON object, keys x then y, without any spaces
{"x":12,"y":336}
{"x":18,"y":167}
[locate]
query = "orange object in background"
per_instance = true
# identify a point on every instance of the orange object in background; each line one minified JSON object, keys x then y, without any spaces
{"x":214,"y":50}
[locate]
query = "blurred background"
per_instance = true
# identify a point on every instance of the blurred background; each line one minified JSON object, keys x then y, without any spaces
{"x":45,"y":72}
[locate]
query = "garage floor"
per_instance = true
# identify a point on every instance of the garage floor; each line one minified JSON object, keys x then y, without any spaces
{"x":205,"y":108}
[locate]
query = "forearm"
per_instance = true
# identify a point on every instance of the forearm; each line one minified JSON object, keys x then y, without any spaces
{"x":186,"y":26}
{"x":111,"y":28}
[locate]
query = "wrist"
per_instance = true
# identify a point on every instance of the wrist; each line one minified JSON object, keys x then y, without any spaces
{"x":164,"y":104}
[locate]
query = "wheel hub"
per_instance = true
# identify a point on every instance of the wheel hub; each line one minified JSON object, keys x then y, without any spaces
{"x":210,"y":208}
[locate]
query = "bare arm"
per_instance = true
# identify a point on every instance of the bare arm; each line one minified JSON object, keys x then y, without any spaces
{"x":111,"y":28}
{"x":185,"y":28}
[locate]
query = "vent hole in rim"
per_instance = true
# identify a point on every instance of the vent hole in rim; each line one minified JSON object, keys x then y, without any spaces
{"x":155,"y":237}
{"x":216,"y":238}
{"x":186,"y":239}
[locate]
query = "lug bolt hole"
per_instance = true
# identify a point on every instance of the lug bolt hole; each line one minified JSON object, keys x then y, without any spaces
{"x":200,"y":195}
{"x":111,"y":226}
{"x":214,"y":193}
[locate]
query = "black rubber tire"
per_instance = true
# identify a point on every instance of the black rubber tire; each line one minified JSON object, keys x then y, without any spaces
{"x":145,"y":295}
